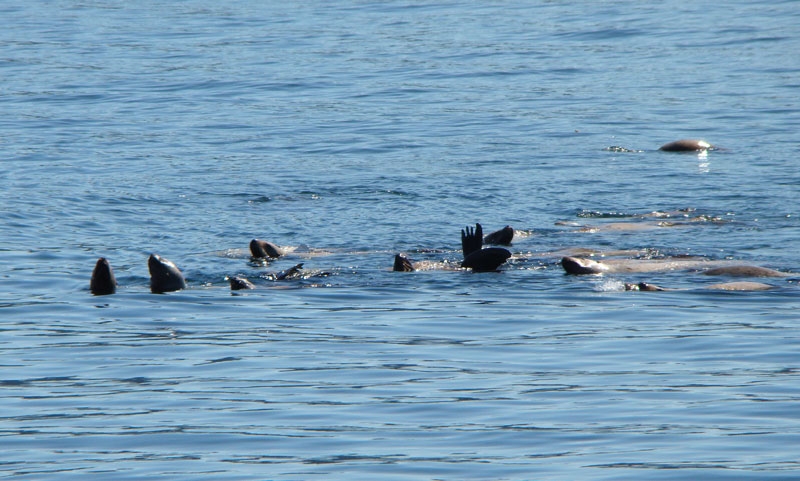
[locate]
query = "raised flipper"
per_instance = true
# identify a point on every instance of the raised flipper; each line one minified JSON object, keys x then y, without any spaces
{"x":500,"y":237}
{"x":103,"y":281}
{"x":164,"y":275}
{"x":261,"y":249}
{"x":289,"y":273}
{"x":471,"y":239}
{"x":402,"y":264}
{"x":486,"y":260}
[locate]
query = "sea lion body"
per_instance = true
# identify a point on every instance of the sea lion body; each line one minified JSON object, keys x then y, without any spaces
{"x":486,"y":260}
{"x":744,"y":271}
{"x":103,"y":280}
{"x":580,"y":265}
{"x":686,"y":145}
{"x":724,"y":286}
{"x":741,"y":286}
{"x":502,"y":237}
{"x":164,"y":275}
{"x":262,"y":249}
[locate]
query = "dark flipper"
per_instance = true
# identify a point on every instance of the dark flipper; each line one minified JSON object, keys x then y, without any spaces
{"x":289,"y":273}
{"x":103,"y":281}
{"x":471,"y":239}
{"x":486,"y":260}
{"x":402,"y":264}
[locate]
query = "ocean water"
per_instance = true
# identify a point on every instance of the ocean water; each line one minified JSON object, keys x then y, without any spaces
{"x":348,"y":132}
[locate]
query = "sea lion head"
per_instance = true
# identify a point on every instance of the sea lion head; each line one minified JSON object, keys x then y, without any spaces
{"x":164,"y":275}
{"x":261,"y":249}
{"x":500,"y":237}
{"x":577,"y":265}
{"x":103,"y":280}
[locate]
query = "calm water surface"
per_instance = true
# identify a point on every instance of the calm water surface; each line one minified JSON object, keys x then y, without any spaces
{"x":348,"y":132}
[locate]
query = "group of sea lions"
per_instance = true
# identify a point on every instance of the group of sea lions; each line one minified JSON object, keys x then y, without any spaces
{"x":166,"y":277}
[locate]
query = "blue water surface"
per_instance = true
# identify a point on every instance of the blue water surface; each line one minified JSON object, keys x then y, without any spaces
{"x":347,"y":132}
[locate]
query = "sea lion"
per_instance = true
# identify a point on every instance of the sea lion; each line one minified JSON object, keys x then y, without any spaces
{"x":725,"y":286}
{"x":740,"y":286}
{"x":744,"y":271}
{"x":402,"y":264}
{"x":103,"y":280}
{"x":486,"y":260}
{"x":500,"y":237}
{"x":261,"y":249}
{"x":477,"y":258}
{"x":164,"y":275}
{"x":643,"y":286}
{"x":579,"y":265}
{"x":686,"y":145}
{"x":289,"y":273}
{"x":239,"y":283}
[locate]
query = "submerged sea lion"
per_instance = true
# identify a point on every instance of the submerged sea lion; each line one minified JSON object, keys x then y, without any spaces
{"x":744,"y":271}
{"x":239,"y":283}
{"x":261,"y":249}
{"x":725,"y":286}
{"x":289,"y":273}
{"x":164,"y":275}
{"x":578,"y":266}
{"x":500,"y":237}
{"x":103,"y":280}
{"x":686,"y":145}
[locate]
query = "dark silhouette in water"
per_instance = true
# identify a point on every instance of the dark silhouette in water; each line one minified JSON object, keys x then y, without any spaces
{"x":402,"y":264}
{"x":475,"y":257}
{"x":686,"y":145}
{"x":501,"y":237}
{"x":261,"y":249}
{"x":103,"y":280}
{"x":238,"y":283}
{"x":164,"y":275}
